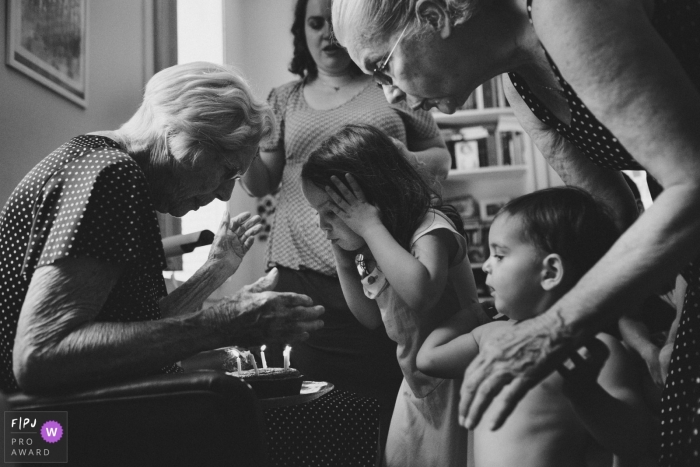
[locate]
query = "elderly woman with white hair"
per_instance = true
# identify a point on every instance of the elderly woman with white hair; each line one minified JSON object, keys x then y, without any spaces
{"x":83,"y":297}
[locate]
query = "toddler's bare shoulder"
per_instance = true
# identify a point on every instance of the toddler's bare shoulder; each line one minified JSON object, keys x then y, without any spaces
{"x":488,"y":329}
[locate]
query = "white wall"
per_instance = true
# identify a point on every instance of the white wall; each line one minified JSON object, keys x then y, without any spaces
{"x":258,"y":42}
{"x":35,"y":120}
{"x":199,"y":38}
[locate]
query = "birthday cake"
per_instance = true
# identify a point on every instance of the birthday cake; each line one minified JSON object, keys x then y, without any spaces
{"x":272,"y":382}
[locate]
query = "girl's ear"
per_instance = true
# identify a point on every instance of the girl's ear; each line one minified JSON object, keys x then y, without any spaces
{"x":552,"y":273}
{"x":434,"y":13}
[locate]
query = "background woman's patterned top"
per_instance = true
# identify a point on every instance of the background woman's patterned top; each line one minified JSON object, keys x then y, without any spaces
{"x":296,"y":241}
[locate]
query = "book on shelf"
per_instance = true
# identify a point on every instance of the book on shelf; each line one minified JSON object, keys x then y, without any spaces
{"x":486,"y":96}
{"x":473,"y":151}
{"x":475,"y":147}
{"x":477,"y":234}
{"x":510,"y":141}
{"x":475,"y":227}
{"x":490,"y":93}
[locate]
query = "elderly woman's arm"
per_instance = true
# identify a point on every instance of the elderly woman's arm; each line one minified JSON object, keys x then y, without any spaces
{"x":59,"y":343}
{"x":265,"y":173}
{"x":432,"y":154}
{"x":574,"y":168}
{"x":629,"y":78}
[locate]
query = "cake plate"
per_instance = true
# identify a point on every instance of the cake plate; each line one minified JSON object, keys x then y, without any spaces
{"x":310,"y":390}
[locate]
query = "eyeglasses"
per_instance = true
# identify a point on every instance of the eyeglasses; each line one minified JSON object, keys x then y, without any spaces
{"x":234,"y":172}
{"x":381,"y":78}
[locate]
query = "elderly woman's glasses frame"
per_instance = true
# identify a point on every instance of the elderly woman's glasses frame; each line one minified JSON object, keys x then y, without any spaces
{"x":380,"y":77}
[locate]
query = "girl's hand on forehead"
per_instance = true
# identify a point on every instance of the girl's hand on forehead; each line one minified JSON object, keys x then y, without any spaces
{"x":351,"y":205}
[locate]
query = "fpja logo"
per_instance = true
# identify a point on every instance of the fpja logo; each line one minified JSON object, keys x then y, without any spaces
{"x":36,"y":437}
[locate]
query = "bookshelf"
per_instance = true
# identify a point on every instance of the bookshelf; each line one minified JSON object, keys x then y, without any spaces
{"x":472,"y":116}
{"x":488,"y":173}
{"x":494,"y":172}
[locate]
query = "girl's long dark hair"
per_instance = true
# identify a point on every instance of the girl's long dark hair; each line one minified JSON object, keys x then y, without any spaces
{"x":387,"y":179}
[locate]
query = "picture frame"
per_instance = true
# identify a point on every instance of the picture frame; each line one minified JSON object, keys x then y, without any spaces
{"x":47,"y":41}
{"x":466,"y":206}
{"x":488,"y":208}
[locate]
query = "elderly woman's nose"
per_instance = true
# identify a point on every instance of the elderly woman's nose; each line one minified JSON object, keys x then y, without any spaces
{"x":393,"y":94}
{"x":223,"y":192}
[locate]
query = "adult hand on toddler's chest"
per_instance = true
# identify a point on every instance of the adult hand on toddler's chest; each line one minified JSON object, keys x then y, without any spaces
{"x":352,"y":207}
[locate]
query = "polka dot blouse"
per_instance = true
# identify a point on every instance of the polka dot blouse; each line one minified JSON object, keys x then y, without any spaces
{"x":87,"y":198}
{"x":678,"y":23}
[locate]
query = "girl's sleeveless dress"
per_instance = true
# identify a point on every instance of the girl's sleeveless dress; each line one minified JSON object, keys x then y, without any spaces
{"x":678,"y":24}
{"x":424,"y":430}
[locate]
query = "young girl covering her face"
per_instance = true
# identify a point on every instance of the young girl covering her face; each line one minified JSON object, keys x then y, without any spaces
{"x":401,"y":260}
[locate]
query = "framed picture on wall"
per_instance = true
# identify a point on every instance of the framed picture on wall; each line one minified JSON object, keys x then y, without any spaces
{"x":46,"y":40}
{"x":488,"y":208}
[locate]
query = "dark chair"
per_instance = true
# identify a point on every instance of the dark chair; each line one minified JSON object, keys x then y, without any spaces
{"x":193,"y":419}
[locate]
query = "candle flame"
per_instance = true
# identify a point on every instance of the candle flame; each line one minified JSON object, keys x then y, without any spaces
{"x":288,"y":349}
{"x":263,"y":347}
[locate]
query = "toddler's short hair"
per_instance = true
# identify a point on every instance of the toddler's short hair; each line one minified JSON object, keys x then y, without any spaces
{"x":567,"y":221}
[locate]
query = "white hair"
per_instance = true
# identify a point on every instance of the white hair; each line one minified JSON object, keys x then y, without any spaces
{"x":381,"y":18}
{"x":196,"y":107}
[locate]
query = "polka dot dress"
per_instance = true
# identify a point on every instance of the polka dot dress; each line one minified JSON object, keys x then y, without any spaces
{"x":87,"y":198}
{"x":678,"y":24}
{"x":338,"y":429}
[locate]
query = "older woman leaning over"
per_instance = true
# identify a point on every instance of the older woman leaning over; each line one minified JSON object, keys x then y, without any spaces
{"x":601,"y":86}
{"x":82,"y":293}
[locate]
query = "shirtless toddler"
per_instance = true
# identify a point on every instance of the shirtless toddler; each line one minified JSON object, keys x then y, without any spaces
{"x":541,"y":244}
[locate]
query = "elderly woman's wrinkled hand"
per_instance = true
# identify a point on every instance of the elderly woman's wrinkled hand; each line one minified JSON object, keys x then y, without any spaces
{"x":255,"y":315}
{"x":234,"y":238}
{"x":509,"y":364}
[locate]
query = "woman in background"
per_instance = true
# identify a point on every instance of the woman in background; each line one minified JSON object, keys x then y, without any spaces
{"x":332,"y":92}
{"x":600,"y":86}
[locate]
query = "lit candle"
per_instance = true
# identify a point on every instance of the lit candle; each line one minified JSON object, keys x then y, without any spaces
{"x":251,"y":357}
{"x":286,"y":353}
{"x":238,"y":361}
{"x":262,"y":356}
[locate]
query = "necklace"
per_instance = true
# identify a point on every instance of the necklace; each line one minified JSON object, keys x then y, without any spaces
{"x":363,"y":268}
{"x":334,"y":87}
